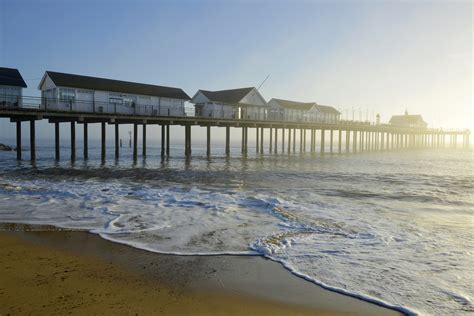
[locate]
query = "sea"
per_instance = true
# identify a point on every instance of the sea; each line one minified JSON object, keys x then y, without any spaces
{"x":395,"y":227}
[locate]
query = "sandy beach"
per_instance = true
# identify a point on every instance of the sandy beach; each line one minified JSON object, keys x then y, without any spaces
{"x":49,"y":271}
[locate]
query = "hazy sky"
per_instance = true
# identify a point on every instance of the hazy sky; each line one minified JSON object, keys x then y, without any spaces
{"x":384,"y":56}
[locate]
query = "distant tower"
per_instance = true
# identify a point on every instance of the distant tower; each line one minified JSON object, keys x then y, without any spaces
{"x":406,"y":111}
{"x":378,"y":119}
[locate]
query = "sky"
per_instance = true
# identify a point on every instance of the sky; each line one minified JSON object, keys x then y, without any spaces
{"x":360,"y":56}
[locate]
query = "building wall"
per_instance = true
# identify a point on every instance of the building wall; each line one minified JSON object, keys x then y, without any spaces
{"x":10,"y":96}
{"x":84,"y":100}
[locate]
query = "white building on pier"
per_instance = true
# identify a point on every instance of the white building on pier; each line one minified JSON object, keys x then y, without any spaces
{"x":68,"y":92}
{"x":412,"y":120}
{"x":243,"y":103}
{"x":293,"y":111}
{"x":11,"y":87}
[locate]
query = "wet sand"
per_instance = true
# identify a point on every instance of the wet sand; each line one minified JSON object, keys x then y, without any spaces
{"x":61,"y":272}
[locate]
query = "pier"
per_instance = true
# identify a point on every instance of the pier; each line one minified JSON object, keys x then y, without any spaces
{"x":270,"y":136}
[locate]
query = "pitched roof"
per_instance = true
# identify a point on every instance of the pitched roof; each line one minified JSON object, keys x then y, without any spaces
{"x":227,"y":96}
{"x":407,"y":119}
{"x":293,"y":105}
{"x":327,"y":109}
{"x":11,"y":77}
{"x":93,"y":83}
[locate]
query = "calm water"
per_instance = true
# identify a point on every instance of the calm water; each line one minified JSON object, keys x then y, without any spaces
{"x":395,"y":227}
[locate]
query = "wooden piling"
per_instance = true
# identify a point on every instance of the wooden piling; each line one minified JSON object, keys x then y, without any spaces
{"x":348,"y":140}
{"x":339,"y":143}
{"x":144,"y":140}
{"x":86,"y":141}
{"x":163,"y":140}
{"x":294,"y":140}
{"x":354,"y":141}
{"x":73,"y":141}
{"x":167,"y":140}
{"x":135,"y":140}
{"x":261,"y":140}
{"x":32,"y":140}
{"x":208,"y":142}
{"x":331,"y":140}
{"x":227,"y":140}
{"x":18,"y":140}
{"x":56,"y":141}
{"x":282,"y":140}
{"x":276,"y":141}
{"x":103,"y":143}
{"x":257,"y":140}
{"x":323,"y":141}
{"x":117,"y":140}
{"x":289,"y":141}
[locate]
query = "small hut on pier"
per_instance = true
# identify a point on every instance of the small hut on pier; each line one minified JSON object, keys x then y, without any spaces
{"x":11,"y":87}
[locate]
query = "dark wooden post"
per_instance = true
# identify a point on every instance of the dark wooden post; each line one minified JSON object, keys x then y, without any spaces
{"x":276,"y":140}
{"x":339,"y":143}
{"x":103,"y":135}
{"x":208,"y":149}
{"x":348,"y":140}
{"x":167,"y":140}
{"x":86,"y":142}
{"x":304,"y":139}
{"x":163,"y":140}
{"x":56,"y":141}
{"x":18,"y":140}
{"x":294,"y":140}
{"x":246,"y":140}
{"x":261,"y":140}
{"x":271,"y":141}
{"x":283,"y":140}
{"x":135,"y":140}
{"x":301,"y":140}
{"x":257,"y":140}
{"x":312,"y":135}
{"x":73,"y":141}
{"x":289,"y":141}
{"x":354,"y":141}
{"x":144,"y":140}
{"x":117,"y":141}
{"x":242,"y":147}
{"x":331,"y":140}
{"x":227,"y":140}
{"x":323,"y":140}
{"x":32,"y":140}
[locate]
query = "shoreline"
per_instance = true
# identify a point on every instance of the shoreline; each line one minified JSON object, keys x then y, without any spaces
{"x":230,"y":284}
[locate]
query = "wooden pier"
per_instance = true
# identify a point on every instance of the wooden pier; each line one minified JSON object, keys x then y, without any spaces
{"x":356,"y":137}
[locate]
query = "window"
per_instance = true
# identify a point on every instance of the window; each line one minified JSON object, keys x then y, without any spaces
{"x":115,"y":100}
{"x":67,"y":94}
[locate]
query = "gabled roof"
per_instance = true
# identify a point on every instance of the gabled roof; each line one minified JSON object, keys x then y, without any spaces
{"x":407,"y":119}
{"x":227,"y":96}
{"x":93,"y":83}
{"x":293,"y":105}
{"x":11,"y":77}
{"x":327,"y":109}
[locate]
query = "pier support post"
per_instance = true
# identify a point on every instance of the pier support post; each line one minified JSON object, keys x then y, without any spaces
{"x":257,"y":140}
{"x":144,"y":140}
{"x":18,"y":140}
{"x":163,"y":140}
{"x":361,"y":141}
{"x":270,"y":146}
{"x":301,"y":140}
{"x":86,"y":141}
{"x":117,"y":140}
{"x":56,"y":141}
{"x":32,"y":140}
{"x":354,"y":141}
{"x":323,"y":141}
{"x":246,"y":135}
{"x":103,"y":135}
{"x":382,"y":141}
{"x":348,"y":140}
{"x":227,"y":140}
{"x":135,"y":140}
{"x":276,"y":140}
{"x":261,"y":140}
{"x":282,"y":140}
{"x":187,"y":140}
{"x":289,"y":141}
{"x":242,"y":147}
{"x":339,"y":143}
{"x":304,"y":139}
{"x":73,"y":141}
{"x":311,"y":140}
{"x":294,"y":140}
{"x":167,"y":140}
{"x":208,"y":142}
{"x":331,"y":140}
